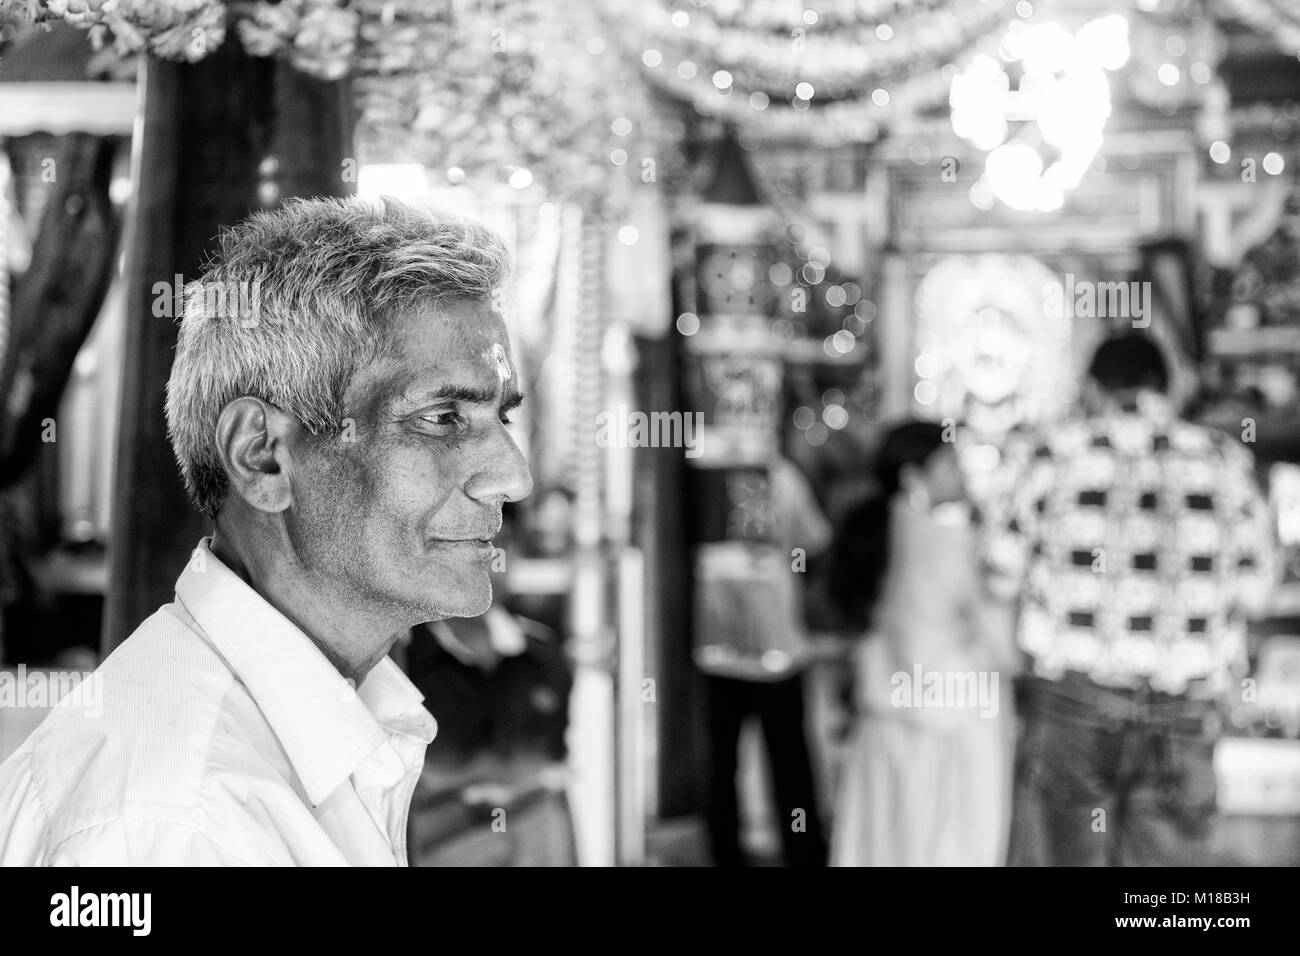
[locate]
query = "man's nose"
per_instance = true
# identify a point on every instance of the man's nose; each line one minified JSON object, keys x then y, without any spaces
{"x":504,"y":473}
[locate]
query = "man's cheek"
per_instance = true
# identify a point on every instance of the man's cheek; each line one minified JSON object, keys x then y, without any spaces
{"x":420,"y":490}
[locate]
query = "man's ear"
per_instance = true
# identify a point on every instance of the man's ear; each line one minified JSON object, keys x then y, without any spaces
{"x":252,"y":440}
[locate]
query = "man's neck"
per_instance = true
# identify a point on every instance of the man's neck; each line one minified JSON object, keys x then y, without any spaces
{"x":351,"y":636}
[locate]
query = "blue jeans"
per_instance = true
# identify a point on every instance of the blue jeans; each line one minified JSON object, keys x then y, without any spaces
{"x":1108,"y":777}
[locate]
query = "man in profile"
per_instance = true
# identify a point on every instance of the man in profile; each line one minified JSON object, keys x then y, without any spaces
{"x":350,"y":442}
{"x":1137,"y":540}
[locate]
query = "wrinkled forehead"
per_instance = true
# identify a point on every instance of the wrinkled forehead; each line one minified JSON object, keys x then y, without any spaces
{"x":471,"y":339}
{"x":459,"y":343}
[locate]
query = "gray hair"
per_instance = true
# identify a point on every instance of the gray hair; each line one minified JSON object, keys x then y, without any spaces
{"x":326,"y":277}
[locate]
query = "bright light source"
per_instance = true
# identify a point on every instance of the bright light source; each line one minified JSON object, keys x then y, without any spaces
{"x":1062,"y":90}
{"x":1012,"y":171}
{"x":399,"y":180}
{"x":1274,"y":164}
{"x":1105,"y":41}
{"x":835,"y":416}
{"x":1220,"y":151}
{"x":981,"y":196}
{"x":926,"y":365}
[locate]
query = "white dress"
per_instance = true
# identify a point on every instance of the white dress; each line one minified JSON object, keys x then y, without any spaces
{"x":926,"y":774}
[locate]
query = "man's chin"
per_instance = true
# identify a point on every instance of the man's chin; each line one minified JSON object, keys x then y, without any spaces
{"x":471,"y":598}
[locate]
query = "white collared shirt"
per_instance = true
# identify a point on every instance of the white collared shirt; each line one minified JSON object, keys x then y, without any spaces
{"x":221,"y":736}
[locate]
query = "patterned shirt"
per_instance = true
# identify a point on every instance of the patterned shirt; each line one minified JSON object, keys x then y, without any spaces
{"x":1134,"y":537}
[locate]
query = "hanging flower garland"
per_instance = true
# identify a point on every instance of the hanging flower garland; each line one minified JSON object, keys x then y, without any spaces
{"x":836,"y":74}
{"x":520,"y":92}
{"x":516,"y":91}
{"x":776,"y":14}
{"x":828,"y":120}
{"x":812,"y":49}
{"x":317,"y":36}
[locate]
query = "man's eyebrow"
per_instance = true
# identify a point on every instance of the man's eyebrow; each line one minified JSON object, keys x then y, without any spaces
{"x":463,"y":393}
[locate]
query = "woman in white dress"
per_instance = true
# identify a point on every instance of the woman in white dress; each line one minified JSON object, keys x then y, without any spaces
{"x":926,"y":774}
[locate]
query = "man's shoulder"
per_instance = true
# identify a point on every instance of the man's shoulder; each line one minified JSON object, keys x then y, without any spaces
{"x":151,"y":740}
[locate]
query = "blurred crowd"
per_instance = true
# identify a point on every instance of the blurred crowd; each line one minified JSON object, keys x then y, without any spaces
{"x":1040,"y":680}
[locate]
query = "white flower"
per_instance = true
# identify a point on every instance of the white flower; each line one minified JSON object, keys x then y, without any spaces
{"x":270,"y":28}
{"x":193,"y":37}
{"x":326,"y":40}
{"x":80,"y":13}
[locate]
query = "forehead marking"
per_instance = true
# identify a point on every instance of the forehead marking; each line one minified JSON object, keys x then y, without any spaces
{"x":501,"y":363}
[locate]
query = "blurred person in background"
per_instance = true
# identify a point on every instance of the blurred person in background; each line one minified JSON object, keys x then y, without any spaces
{"x":926,"y":773}
{"x":1135,"y":540}
{"x":754,"y":649}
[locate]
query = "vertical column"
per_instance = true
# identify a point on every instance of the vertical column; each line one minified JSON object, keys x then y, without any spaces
{"x":592,"y":709}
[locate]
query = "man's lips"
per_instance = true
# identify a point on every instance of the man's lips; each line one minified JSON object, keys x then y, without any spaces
{"x":482,"y":542}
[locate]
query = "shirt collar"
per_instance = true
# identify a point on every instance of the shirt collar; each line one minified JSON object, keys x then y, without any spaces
{"x":1146,"y":404}
{"x":325,"y":726}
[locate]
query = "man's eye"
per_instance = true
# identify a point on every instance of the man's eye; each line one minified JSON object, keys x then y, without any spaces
{"x":442,"y":419}
{"x":506,"y":419}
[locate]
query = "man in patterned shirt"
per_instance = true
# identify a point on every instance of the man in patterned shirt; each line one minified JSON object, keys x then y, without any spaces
{"x":1136,"y":541}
